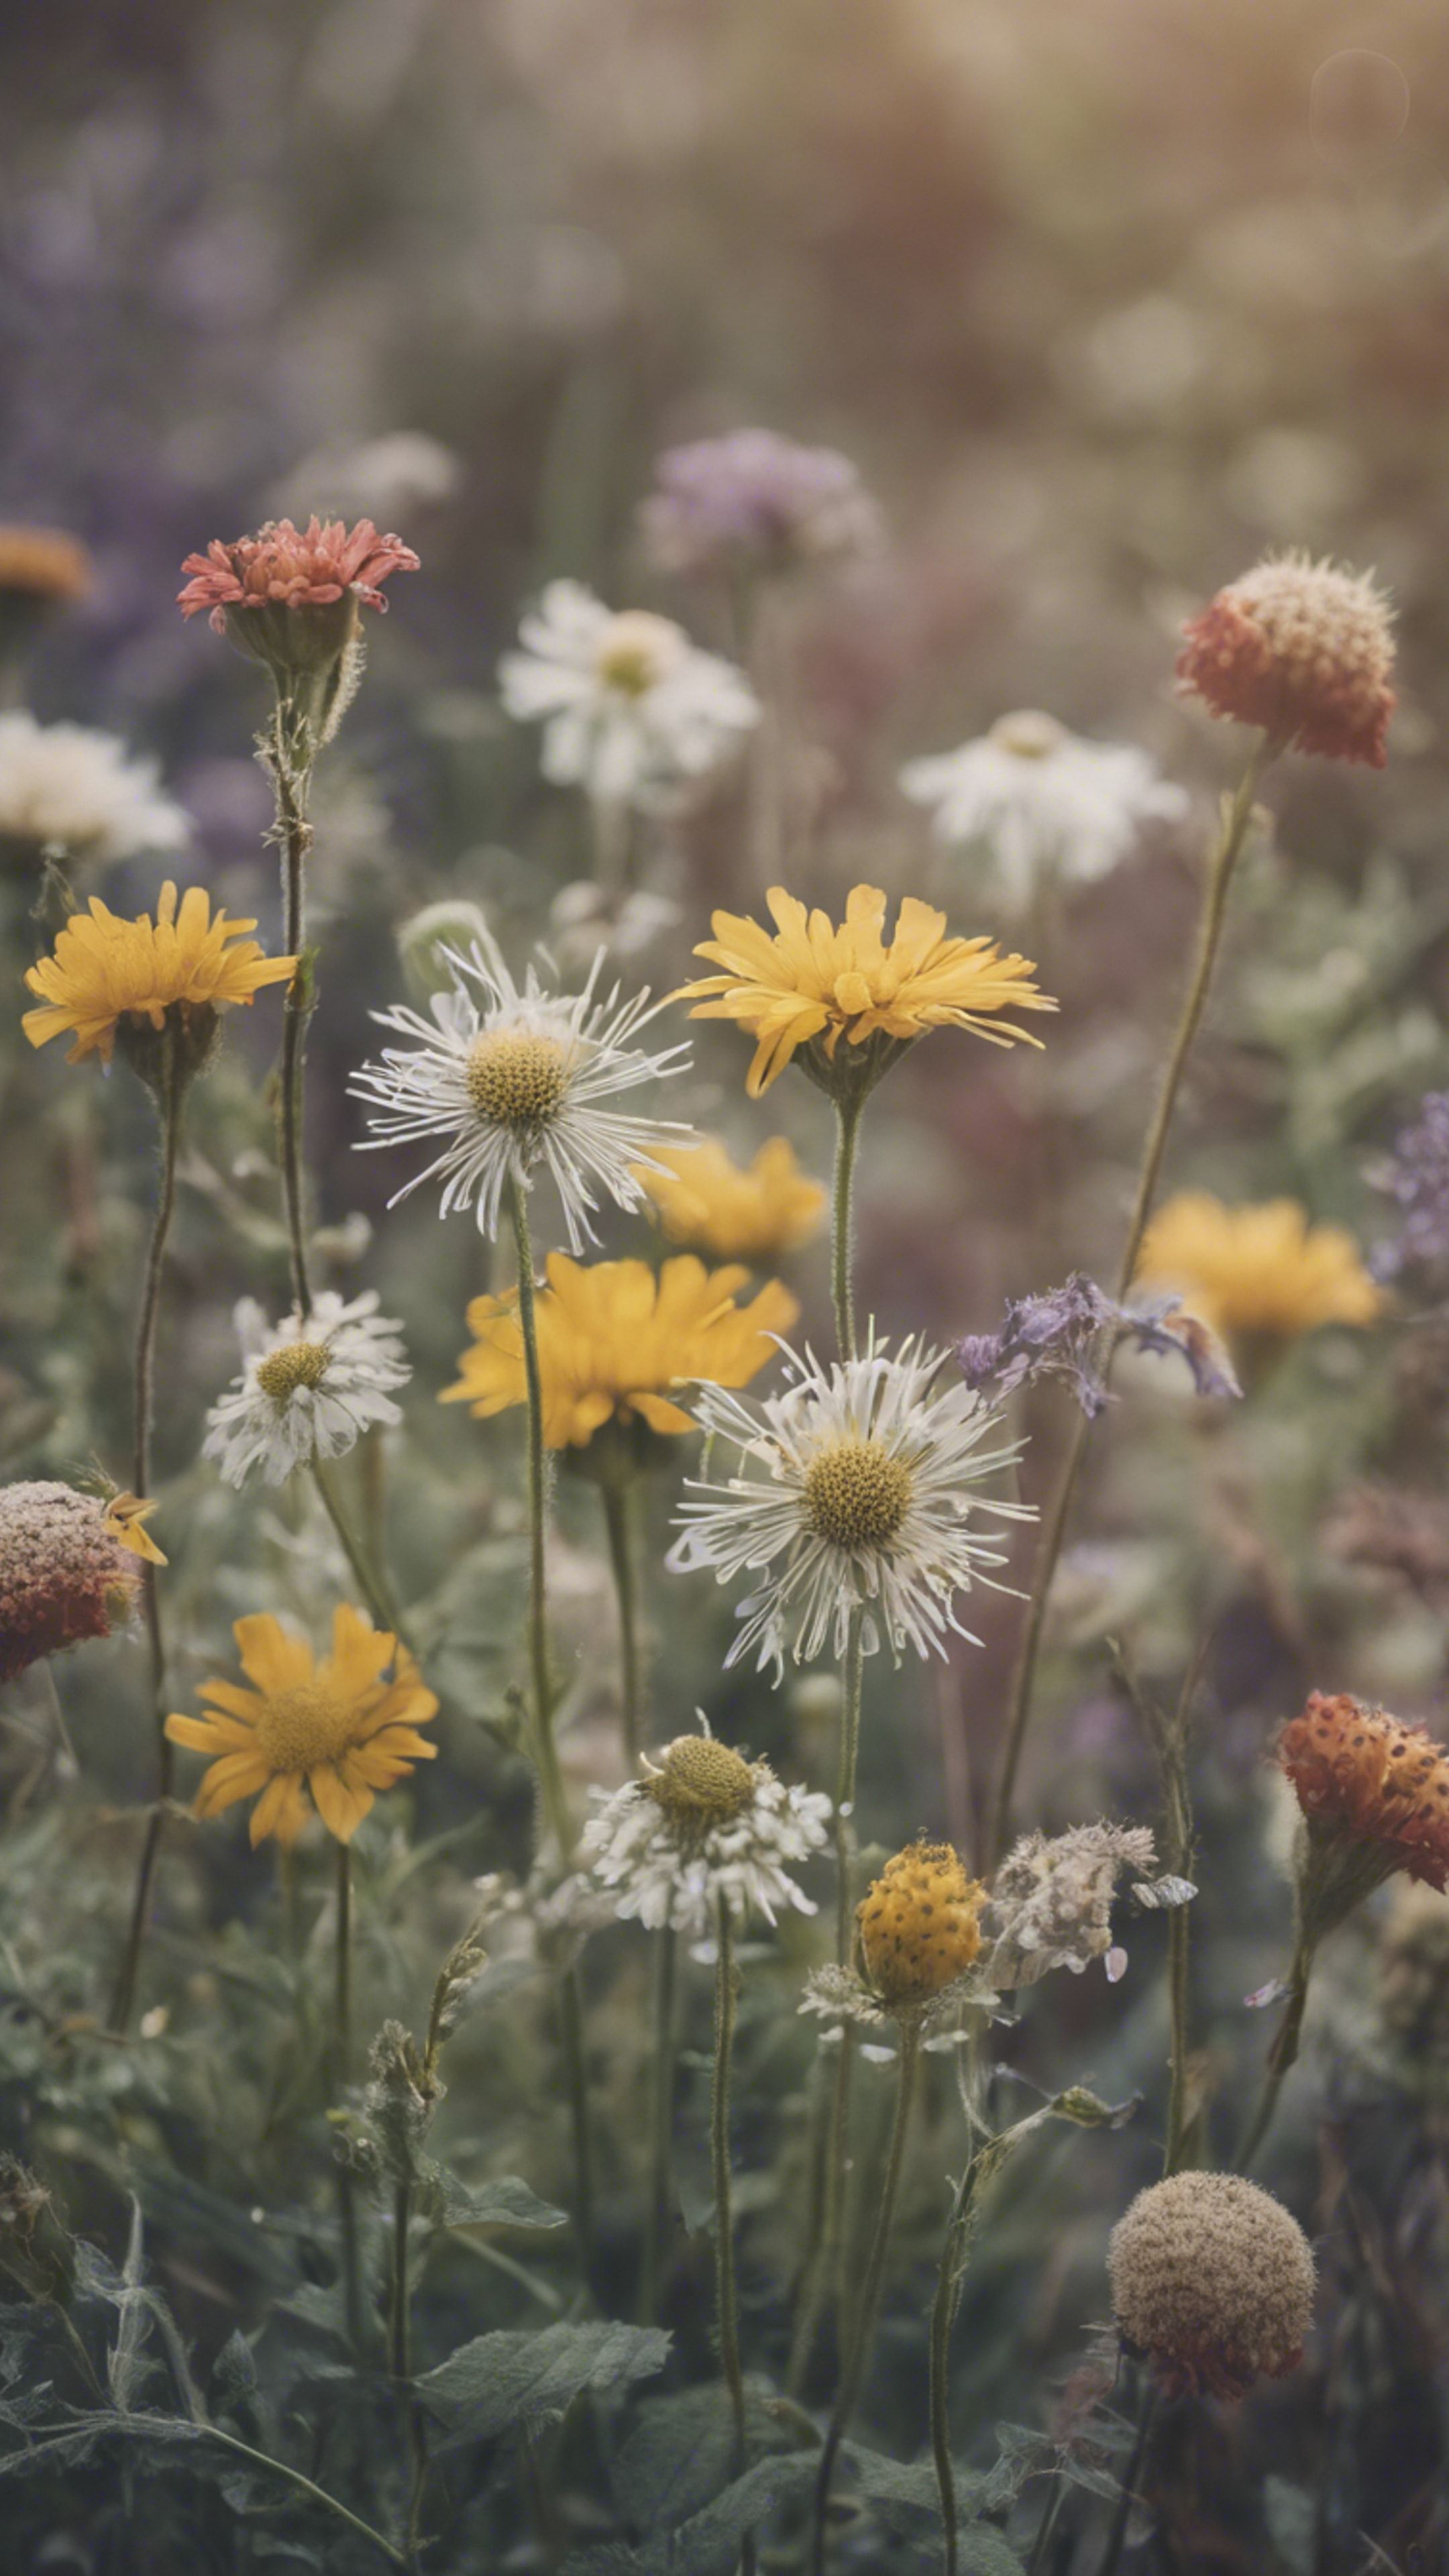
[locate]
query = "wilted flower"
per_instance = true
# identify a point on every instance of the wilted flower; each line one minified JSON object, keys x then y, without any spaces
{"x":1301,"y":649}
{"x":109,"y":974}
{"x":618,"y":1344}
{"x":1042,"y":804}
{"x":69,"y":788}
{"x":1375,"y":1798}
{"x":1061,"y":1334}
{"x":752,"y":501}
{"x":632,"y":711}
{"x":310,"y":1386}
{"x":66,"y":1573}
{"x":1416,"y":1175}
{"x":1259,"y":1272}
{"x":1213,"y":2280}
{"x":811,"y":984}
{"x":703,"y":1826}
{"x":1051,"y":1905}
{"x":758,"y":1213}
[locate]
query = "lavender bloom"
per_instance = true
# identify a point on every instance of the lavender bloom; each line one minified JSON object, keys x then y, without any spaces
{"x":1417,"y":1176}
{"x":757,"y":502}
{"x":1061,"y":1334}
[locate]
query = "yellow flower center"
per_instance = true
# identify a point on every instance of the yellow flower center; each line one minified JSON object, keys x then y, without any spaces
{"x":515,"y":1080}
{"x":296,"y":1364}
{"x":700,"y":1783}
{"x":919,"y":1924}
{"x":300,"y":1727}
{"x":857,"y":1494}
{"x":635,"y":651}
{"x":1029,"y":734}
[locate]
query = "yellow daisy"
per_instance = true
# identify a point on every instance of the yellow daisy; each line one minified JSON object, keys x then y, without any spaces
{"x":614,"y":1342}
{"x":332,"y":1722}
{"x":125,"y":1522}
{"x":1260,"y":1270}
{"x":813,"y":981}
{"x":714,"y":1205}
{"x":106,"y":969}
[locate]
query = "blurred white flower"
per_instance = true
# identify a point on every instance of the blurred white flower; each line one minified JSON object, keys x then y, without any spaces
{"x":1042,"y":803}
{"x":754,"y":501}
{"x":1051,"y":1904}
{"x":703,"y":1827}
{"x":309,"y":1387}
{"x":386,"y":479}
{"x":632,"y":711}
{"x":80,"y":791}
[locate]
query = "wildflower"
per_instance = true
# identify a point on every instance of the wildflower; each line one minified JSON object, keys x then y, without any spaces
{"x":125,"y":1521}
{"x":632,"y":711}
{"x":919,"y":1925}
{"x":863,"y":1509}
{"x":66,"y":1574}
{"x":67,"y":787}
{"x":755,"y":502}
{"x":109,"y":975}
{"x":528,"y":1079}
{"x":1044,"y":805}
{"x":333,"y":1723}
{"x":1416,"y":1176}
{"x":1061,"y":1334}
{"x":1374,"y":1794}
{"x":758,"y":1213}
{"x":1302,"y":649}
{"x":703,"y":1826}
{"x":812,"y":985}
{"x":309,"y":1387}
{"x":1259,"y":1271}
{"x":585,"y":916}
{"x":1051,"y":1905}
{"x":1212,"y":2279}
{"x":615,"y":1344}
{"x":42,"y":565}
{"x":383,"y":477}
{"x":293,"y":599}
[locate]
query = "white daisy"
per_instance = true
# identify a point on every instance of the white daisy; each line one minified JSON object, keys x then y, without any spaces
{"x":1042,"y":802}
{"x":309,"y":1387}
{"x":863,"y":1506}
{"x":703,"y":1825}
{"x":632,"y":711}
{"x":68,"y":787}
{"x":524,"y":1080}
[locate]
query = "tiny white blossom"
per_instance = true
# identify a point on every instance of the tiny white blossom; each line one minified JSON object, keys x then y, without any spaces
{"x":632,"y":711}
{"x":704,"y":1827}
{"x":1042,"y":803}
{"x":309,"y":1387}
{"x":78,"y":790}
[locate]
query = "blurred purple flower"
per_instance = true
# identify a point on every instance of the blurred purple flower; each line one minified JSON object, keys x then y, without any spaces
{"x":1417,"y":1176}
{"x":756,"y":502}
{"x":1060,"y":1334}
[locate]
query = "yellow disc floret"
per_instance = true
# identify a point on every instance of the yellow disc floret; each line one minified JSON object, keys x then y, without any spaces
{"x":857,"y":1494}
{"x":295,"y":1364}
{"x":700,"y":1784}
{"x":517,"y":1080}
{"x":919,"y":1925}
{"x":636,"y":651}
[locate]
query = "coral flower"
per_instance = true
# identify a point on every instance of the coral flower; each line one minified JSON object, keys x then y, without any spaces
{"x":1302,"y":649}
{"x":332,"y":1723}
{"x":615,"y":1343}
{"x":1260,"y":1270}
{"x":812,"y":981}
{"x":43,"y":564}
{"x":707,"y":1201}
{"x":1362,"y":1777}
{"x":106,"y":971}
{"x":287,"y":567}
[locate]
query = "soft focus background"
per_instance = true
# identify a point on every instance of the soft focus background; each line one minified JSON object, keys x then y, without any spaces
{"x":1105,"y":298}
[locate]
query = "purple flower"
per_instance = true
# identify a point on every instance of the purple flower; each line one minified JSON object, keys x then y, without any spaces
{"x":1063,"y":1333}
{"x":757,"y":502}
{"x":1417,"y":1176}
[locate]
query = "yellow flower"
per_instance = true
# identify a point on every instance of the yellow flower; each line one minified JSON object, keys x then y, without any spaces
{"x":125,"y":1522}
{"x":106,"y":969}
{"x":814,"y":981}
{"x":919,"y":1924}
{"x":1257,"y":1270}
{"x":712,"y":1204}
{"x":614,"y":1341}
{"x":333,"y":1722}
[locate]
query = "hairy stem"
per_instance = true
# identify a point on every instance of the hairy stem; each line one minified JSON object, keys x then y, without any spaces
{"x":341,"y":2073}
{"x":555,"y":1803}
{"x":726,"y":1990}
{"x":847,"y":1132}
{"x":621,"y":1559}
{"x":1281,"y":2056}
{"x":661,"y":2104}
{"x":826,"y":2227}
{"x":400,"y":2361}
{"x":576,"y":2073}
{"x":294,"y":831}
{"x":853,"y":2366}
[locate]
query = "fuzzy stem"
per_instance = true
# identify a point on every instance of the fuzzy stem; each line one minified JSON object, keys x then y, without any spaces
{"x":571,"y":2024}
{"x":295,"y":834}
{"x":661,"y":2103}
{"x":1281,"y":2056}
{"x":827,"y":2214}
{"x":374,"y":1591}
{"x":545,"y":1751}
{"x":621,"y":1559}
{"x":726,"y":1990}
{"x":400,"y":2361}
{"x":847,"y":1132}
{"x":342,"y":2008}
{"x":854,"y":2363}
{"x":169,"y":1109}
{"x":1177,"y":2004}
{"x":1236,"y":818}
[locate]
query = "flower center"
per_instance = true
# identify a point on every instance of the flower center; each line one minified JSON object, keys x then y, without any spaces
{"x":517,"y":1081}
{"x":700,"y":1783}
{"x":635,"y":652}
{"x":297,"y":1728}
{"x":857,"y":1494}
{"x":296,"y":1364}
{"x":1029,"y":734}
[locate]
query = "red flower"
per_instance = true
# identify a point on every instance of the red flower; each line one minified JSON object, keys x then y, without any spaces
{"x":283,"y":567}
{"x":1365,"y":1776}
{"x":1301,"y":649}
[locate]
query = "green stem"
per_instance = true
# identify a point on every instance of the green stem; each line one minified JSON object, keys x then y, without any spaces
{"x":400,"y":2363}
{"x":170,"y":1102}
{"x":295,"y":834}
{"x":555,"y":1802}
{"x":726,"y":1991}
{"x":576,"y":2072}
{"x":370,"y":1585}
{"x":825,"y":2233}
{"x":1282,"y":2055}
{"x":854,"y":2364}
{"x":660,"y":2199}
{"x":1051,"y":2516}
{"x":621,"y":1559}
{"x":847,"y":1131}
{"x":1236,"y":818}
{"x":1127,"y":2492}
{"x":853,"y":1679}
{"x":341,"y":2072}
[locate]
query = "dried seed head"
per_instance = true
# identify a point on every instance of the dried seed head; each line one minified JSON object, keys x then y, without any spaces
{"x":1364,"y":1778}
{"x":63,"y":1577}
{"x":919,"y":1924}
{"x":1301,"y":649}
{"x":1213,"y":2279}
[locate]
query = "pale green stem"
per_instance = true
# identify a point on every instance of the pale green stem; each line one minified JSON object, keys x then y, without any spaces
{"x":847,"y":1133}
{"x":617,"y":1500}
{"x":726,"y":1989}
{"x":555,"y":1802}
{"x":1282,"y":2055}
{"x":295,"y":834}
{"x":853,"y":2367}
{"x":661,"y":2105}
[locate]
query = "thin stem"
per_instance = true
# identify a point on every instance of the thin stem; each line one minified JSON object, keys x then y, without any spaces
{"x":827,"y":2216}
{"x":726,"y":1990}
{"x":1282,"y":2055}
{"x":170,"y":1102}
{"x":1051,"y":2516}
{"x":341,"y":2076}
{"x":621,"y":1558}
{"x":1236,"y":818}
{"x":571,"y":2025}
{"x":853,"y":1681}
{"x":295,"y":834}
{"x":304,"y":2486}
{"x":555,"y":1803}
{"x":847,"y":1132}
{"x":661,"y":2105}
{"x":1127,"y":2492}
{"x":942,"y":2307}
{"x":374,"y":1591}
{"x":1177,"y":2005}
{"x":854,"y":2364}
{"x":400,"y":2363}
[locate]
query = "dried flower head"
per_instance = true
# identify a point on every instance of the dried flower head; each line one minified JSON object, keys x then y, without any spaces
{"x":43,"y":564}
{"x":1413,"y":1982}
{"x":1301,"y":649}
{"x":1257,"y":1273}
{"x":1213,"y":2280}
{"x":919,"y":1926}
{"x":1051,"y":1904}
{"x":65,"y":1573}
{"x":1374,"y":1794}
{"x":759,"y":1213}
{"x":109,"y":975}
{"x":704,"y":1827}
{"x":752,"y":501}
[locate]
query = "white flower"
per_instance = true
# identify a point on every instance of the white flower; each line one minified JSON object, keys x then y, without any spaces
{"x":1042,"y":802}
{"x":1051,"y":1904}
{"x":309,"y":1387}
{"x":632,"y":711}
{"x":523,"y":1081}
{"x":863,"y":1507}
{"x":79,"y":790}
{"x":703,"y":1827}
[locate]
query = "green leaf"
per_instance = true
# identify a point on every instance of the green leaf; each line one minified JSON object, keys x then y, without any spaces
{"x":505,"y":2203}
{"x":509,"y":2378}
{"x":677,"y":2457}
